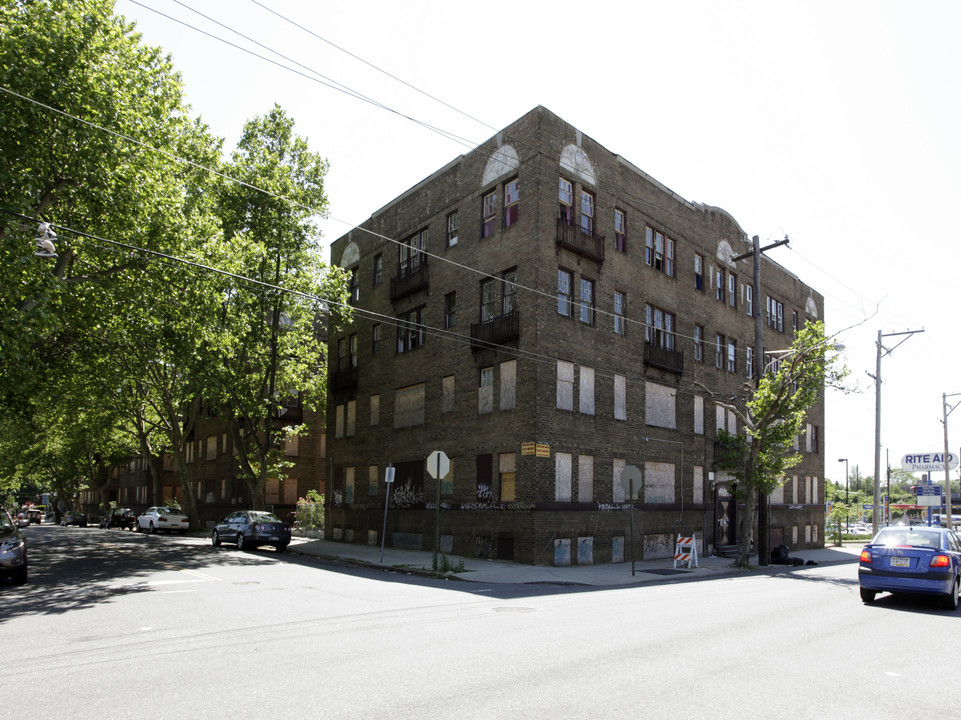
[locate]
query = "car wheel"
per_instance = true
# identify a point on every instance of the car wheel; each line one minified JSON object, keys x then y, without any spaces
{"x":136,"y":528}
{"x":241,"y":545}
{"x":281,"y":548}
{"x":951,"y":601}
{"x":153,"y":529}
{"x":215,"y":538}
{"x":868,"y":595}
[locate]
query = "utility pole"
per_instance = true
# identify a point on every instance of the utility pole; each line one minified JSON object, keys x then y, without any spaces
{"x":875,"y":525}
{"x":763,"y":517}
{"x":948,"y":505}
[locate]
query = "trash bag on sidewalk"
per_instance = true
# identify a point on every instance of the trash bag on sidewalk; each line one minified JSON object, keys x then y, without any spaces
{"x":781,"y":555}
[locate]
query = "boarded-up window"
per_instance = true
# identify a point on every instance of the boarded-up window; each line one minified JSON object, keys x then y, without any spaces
{"x":660,"y":406}
{"x":212,"y":447}
{"x":794,"y":492}
{"x":349,"y":485}
{"x":698,"y":484}
{"x":731,"y":423}
{"x":507,"y":465}
{"x":447,"y":392}
{"x":409,"y":406}
{"x":618,"y":495}
{"x":272,"y":491}
{"x":698,"y":415}
{"x":351,"y":428}
{"x":508,"y":385}
{"x":585,"y":478}
{"x":485,"y":391}
{"x":777,"y":495}
{"x":620,"y":397}
{"x":290,"y":491}
{"x":374,"y":410}
{"x":586,"y":401}
{"x":371,"y":479}
{"x":720,"y":415}
{"x":814,"y":490}
{"x":339,"y":421}
{"x":562,"y":475}
{"x":807,"y":489}
{"x":484,"y":465}
{"x":658,"y":482}
{"x":292,"y":446}
{"x":565,"y":385}
{"x":223,"y":443}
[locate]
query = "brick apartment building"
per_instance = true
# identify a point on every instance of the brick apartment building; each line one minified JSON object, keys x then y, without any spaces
{"x":542,"y":311}
{"x":214,"y":470}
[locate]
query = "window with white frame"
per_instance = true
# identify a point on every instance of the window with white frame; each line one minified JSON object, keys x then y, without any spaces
{"x":565,"y":300}
{"x":587,"y":301}
{"x":489,"y":215}
{"x":411,"y":253}
{"x":775,"y":314}
{"x":719,"y":350}
{"x":659,"y":327}
{"x":587,"y":212}
{"x":699,"y":343}
{"x":732,"y":289}
{"x":511,"y":202}
{"x":749,"y":300}
{"x":565,"y":195}
{"x":410,"y":330}
{"x":698,"y":272}
{"x":620,"y":313}
{"x":659,"y":251}
{"x":731,"y":355}
{"x":620,"y":230}
{"x":452,"y":229}
{"x":719,"y":284}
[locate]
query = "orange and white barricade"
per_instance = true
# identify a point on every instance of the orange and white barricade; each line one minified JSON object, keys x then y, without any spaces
{"x":685,"y":551}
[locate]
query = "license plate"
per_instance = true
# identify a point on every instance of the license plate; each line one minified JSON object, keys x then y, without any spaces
{"x":900,"y":562}
{"x":275,"y":537}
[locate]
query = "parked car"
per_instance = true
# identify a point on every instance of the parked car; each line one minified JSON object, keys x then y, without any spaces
{"x":122,"y":518}
{"x":251,"y":528}
{"x":912,"y":559}
{"x":163,"y":518}
{"x":73,"y":517}
{"x":13,"y":550}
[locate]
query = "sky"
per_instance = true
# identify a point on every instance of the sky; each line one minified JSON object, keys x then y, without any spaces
{"x":834,"y":123}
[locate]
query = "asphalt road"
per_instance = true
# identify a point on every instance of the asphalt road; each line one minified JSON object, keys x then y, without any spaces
{"x":157,"y":626}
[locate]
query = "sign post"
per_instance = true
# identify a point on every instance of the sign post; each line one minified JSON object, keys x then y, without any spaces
{"x":389,"y":478}
{"x":438,"y":465}
{"x":629,"y":476}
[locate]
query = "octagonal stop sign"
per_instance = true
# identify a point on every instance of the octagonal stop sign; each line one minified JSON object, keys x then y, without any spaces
{"x":438,"y":464}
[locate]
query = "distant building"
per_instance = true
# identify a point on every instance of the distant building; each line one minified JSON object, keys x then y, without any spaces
{"x":540,"y":310}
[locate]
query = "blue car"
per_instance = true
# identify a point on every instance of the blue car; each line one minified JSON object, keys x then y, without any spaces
{"x":912,"y":559}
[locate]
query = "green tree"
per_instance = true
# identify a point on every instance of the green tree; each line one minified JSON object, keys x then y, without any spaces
{"x":269,"y":344}
{"x":772,"y":417}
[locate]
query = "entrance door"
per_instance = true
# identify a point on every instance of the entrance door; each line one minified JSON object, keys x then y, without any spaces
{"x":725,"y":516}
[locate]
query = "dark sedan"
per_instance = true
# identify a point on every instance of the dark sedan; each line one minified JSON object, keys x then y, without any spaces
{"x":251,"y":528}
{"x":13,"y":550}
{"x":73,"y":517}
{"x":912,"y":559}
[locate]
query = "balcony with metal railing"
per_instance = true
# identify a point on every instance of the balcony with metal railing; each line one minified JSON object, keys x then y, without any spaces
{"x":580,"y":241}
{"x":495,"y":331}
{"x":663,"y":358}
{"x":412,"y":275}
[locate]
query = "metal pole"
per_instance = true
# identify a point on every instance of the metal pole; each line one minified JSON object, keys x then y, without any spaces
{"x":437,"y":514}
{"x":631,"y":491}
{"x":875,"y":525}
{"x":383,"y":533}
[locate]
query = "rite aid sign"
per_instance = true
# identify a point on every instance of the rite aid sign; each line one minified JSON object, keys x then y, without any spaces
{"x":925,"y":462}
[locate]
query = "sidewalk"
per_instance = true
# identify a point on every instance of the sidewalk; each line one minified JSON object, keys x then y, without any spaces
{"x":501,"y":571}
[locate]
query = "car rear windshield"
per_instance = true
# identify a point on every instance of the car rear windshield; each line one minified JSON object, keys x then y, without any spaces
{"x":892,"y":537}
{"x":264,"y":517}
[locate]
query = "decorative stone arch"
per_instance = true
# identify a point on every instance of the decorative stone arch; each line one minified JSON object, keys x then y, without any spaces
{"x":725,"y":253}
{"x":503,"y":161}
{"x":350,"y":256}
{"x":575,"y":159}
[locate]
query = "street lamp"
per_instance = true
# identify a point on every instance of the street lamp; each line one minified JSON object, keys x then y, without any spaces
{"x":845,"y":461}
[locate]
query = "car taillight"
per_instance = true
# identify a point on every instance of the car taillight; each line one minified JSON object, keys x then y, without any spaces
{"x":866,"y":556}
{"x":161,"y":519}
{"x":939,"y":561}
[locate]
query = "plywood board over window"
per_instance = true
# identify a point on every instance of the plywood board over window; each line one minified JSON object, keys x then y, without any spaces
{"x":409,"y":406}
{"x":585,"y":478}
{"x":507,"y":467}
{"x":586,"y":399}
{"x":447,"y":392}
{"x":508,"y":385}
{"x":565,"y":385}
{"x":658,"y":482}
{"x":660,"y":406}
{"x":562,"y":476}
{"x":620,"y":397}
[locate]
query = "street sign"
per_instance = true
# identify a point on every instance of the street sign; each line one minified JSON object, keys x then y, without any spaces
{"x":438,"y":464}
{"x":631,"y":476}
{"x":389,"y":474}
{"x":924,"y":462}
